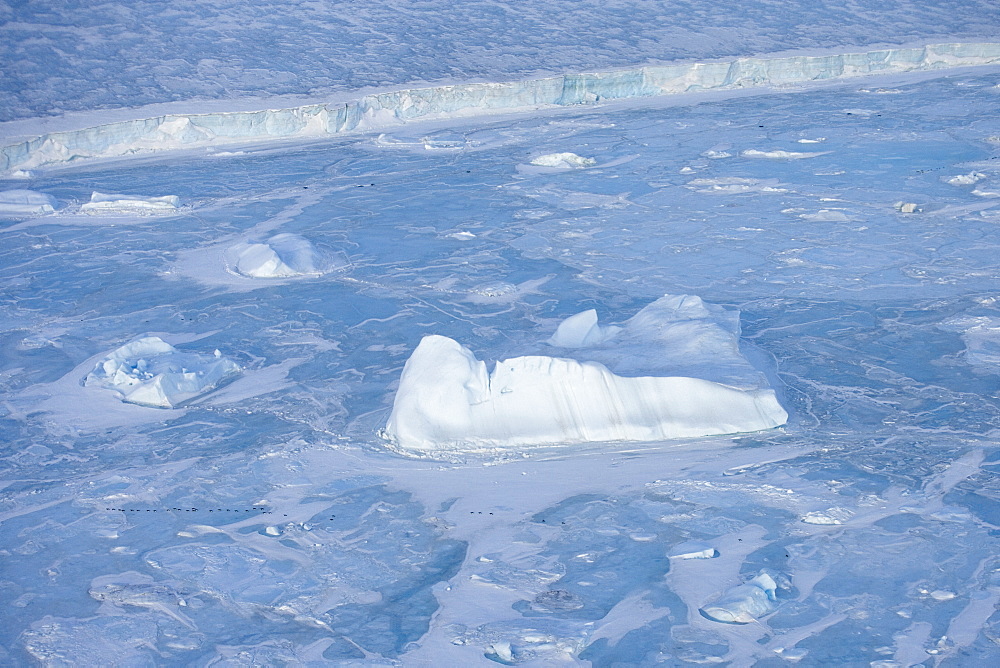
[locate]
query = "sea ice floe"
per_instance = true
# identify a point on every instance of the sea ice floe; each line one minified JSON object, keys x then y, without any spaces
{"x":563,"y":161}
{"x":129,"y":204}
{"x":674,"y":370}
{"x":283,"y":256}
{"x":831,"y":516}
{"x":151,"y":372}
{"x":17,"y":203}
{"x":745,"y":603}
{"x":981,"y":335}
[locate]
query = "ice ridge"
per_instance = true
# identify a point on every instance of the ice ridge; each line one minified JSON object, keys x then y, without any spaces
{"x":178,"y":131}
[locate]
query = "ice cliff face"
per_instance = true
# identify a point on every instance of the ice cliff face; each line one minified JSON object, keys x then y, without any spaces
{"x":389,"y":108}
{"x":448,"y":401}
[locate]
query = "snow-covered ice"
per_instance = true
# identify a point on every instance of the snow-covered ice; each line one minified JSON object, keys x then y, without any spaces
{"x":151,"y":372}
{"x":447,"y":399}
{"x":745,"y":603}
{"x":107,"y":203}
{"x":283,"y":256}
{"x":563,"y":161}
{"x":25,"y":203}
{"x":265,"y":522}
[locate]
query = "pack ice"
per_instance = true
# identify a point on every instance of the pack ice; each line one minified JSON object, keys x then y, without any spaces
{"x":151,"y":372}
{"x":602,"y":388}
{"x":282,"y":256}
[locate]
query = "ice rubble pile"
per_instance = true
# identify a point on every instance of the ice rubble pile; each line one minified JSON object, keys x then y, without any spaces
{"x":151,"y":372}
{"x":393,"y":107}
{"x":563,"y":161}
{"x":283,"y":256}
{"x":105,"y":203}
{"x":17,"y":203}
{"x":673,"y":370}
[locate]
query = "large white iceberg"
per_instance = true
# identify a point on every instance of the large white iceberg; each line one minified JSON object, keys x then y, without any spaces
{"x":17,"y":203}
{"x":151,"y":372}
{"x":283,"y":256}
{"x":116,"y":204}
{"x":447,"y":400}
{"x":175,"y":131}
{"x":745,"y":603}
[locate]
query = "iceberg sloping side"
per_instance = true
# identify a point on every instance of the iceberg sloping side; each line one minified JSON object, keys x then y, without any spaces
{"x":151,"y":372}
{"x":176,"y":131}
{"x":447,"y":400}
{"x":283,"y":256}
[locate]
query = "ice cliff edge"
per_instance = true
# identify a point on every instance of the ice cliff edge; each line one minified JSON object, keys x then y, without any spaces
{"x":381,"y":109}
{"x":448,"y":401}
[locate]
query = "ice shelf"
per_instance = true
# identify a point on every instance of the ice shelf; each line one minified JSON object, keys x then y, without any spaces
{"x":176,"y":131}
{"x":448,"y":401}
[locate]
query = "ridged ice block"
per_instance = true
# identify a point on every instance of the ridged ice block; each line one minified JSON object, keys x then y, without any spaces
{"x":177,"y":131}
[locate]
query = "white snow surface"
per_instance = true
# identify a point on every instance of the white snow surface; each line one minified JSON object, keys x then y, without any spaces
{"x":151,"y":372}
{"x":447,"y":401}
{"x":18,"y":203}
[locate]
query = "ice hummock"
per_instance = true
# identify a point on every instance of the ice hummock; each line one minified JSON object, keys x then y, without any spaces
{"x":745,"y":603}
{"x":447,"y":400}
{"x":117,"y":203}
{"x":283,"y":256}
{"x":563,"y":161}
{"x":25,"y":203}
{"x":151,"y":372}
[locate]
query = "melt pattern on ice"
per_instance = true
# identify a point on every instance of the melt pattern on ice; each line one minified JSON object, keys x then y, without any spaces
{"x":396,"y":107}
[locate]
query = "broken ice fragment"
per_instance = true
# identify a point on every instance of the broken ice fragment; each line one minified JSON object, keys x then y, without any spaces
{"x":693,"y":549}
{"x":582,"y":330}
{"x":17,"y":203}
{"x":745,"y":603}
{"x":134,"y":204}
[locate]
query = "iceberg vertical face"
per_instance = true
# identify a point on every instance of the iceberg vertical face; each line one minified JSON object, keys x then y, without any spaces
{"x":394,"y":107}
{"x":447,"y":401}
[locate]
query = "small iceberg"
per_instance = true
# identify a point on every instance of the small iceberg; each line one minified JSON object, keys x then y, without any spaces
{"x":563,"y":161}
{"x":693,"y":549}
{"x":745,"y":603}
{"x":151,"y":372}
{"x":105,"y":203}
{"x":19,"y":203}
{"x":283,"y":256}
{"x":671,"y":371}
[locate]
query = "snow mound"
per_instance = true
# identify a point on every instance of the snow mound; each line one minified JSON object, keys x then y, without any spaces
{"x":131,"y":204}
{"x":745,"y":603}
{"x":25,"y":203}
{"x":448,"y":401}
{"x":283,"y":256}
{"x":151,"y":372}
{"x":969,"y":179}
{"x":581,"y":331}
{"x":563,"y":161}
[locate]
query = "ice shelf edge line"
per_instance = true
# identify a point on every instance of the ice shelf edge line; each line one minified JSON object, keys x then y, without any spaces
{"x":179,"y":131}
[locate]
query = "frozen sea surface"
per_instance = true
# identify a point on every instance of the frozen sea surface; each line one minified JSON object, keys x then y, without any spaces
{"x":266,"y":521}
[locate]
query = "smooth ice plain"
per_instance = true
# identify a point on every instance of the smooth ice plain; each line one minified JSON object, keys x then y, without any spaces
{"x":845,"y":235}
